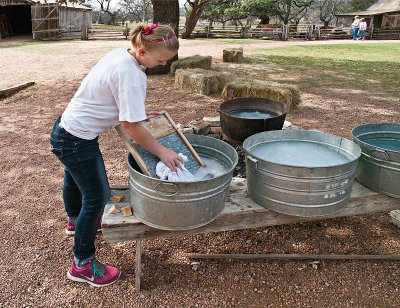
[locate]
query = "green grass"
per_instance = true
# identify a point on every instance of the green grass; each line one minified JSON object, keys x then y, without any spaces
{"x":348,"y":62}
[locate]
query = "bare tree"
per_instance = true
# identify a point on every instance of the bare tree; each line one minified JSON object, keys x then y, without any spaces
{"x":328,"y":8}
{"x":290,"y":9}
{"x":137,"y":10}
{"x":106,"y":7}
{"x":197,"y":7}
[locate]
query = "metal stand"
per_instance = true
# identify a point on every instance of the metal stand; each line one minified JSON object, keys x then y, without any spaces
{"x":138,"y":270}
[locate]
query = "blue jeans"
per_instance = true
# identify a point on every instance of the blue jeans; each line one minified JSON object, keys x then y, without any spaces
{"x":362,"y":34}
{"x":86,"y":190}
{"x":355,"y":33}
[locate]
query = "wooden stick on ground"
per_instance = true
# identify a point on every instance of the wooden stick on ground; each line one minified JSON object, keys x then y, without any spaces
{"x":292,"y":257}
{"x":10,"y":91}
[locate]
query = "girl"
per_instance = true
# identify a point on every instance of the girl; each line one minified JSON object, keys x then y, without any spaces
{"x":114,"y":90}
{"x":363,"y":28}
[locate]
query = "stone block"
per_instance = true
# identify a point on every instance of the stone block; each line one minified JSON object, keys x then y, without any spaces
{"x":214,"y":121}
{"x":200,"y":127}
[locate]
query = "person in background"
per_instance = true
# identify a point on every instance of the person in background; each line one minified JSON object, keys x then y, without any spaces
{"x":356,"y":27}
{"x":363,"y":28}
{"x":113,"y":91}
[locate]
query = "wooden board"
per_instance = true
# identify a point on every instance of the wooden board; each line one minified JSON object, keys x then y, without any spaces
{"x":162,"y":128}
{"x":240,"y":212}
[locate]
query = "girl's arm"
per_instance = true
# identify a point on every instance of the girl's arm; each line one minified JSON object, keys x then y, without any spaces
{"x":142,"y":137}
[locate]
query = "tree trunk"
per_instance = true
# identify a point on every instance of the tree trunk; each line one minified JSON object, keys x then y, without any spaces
{"x":191,"y":21}
{"x":264,"y":20}
{"x":165,"y":12}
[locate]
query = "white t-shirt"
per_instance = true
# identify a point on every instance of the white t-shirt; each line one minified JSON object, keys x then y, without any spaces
{"x":114,"y":90}
{"x":356,"y":23}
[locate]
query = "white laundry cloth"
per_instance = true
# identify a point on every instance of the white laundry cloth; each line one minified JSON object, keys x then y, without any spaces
{"x":163,"y":172}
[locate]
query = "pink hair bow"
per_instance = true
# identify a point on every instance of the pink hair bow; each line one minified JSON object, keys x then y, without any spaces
{"x":147,"y":31}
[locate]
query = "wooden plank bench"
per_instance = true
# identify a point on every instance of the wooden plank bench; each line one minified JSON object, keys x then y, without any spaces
{"x":240,"y":213}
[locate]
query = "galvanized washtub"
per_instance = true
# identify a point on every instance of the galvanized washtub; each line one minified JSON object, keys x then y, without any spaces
{"x":379,"y":165}
{"x":300,"y":172}
{"x":183,"y":205}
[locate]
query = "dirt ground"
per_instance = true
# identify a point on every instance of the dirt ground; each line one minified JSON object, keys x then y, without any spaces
{"x":36,"y":253}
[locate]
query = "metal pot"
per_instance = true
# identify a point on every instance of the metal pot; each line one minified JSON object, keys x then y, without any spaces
{"x":379,"y":165}
{"x":183,"y":205}
{"x":300,"y":172}
{"x":238,"y":129}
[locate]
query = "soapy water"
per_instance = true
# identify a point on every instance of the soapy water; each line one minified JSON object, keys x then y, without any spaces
{"x":212,"y":169}
{"x":300,"y":154}
{"x":251,"y":114}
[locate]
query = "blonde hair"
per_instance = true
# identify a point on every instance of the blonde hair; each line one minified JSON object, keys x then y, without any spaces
{"x":362,"y":19}
{"x":159,"y":36}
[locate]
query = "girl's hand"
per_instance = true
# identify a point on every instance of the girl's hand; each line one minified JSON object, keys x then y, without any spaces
{"x":171,"y":159}
{"x":151,"y":113}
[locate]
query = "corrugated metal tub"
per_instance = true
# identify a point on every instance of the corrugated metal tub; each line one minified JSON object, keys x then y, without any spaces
{"x":300,"y":172}
{"x":379,"y":165}
{"x":183,"y":205}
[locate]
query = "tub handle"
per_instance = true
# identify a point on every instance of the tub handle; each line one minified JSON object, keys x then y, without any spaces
{"x":167,"y":194}
{"x":379,"y":154}
{"x":252,"y":162}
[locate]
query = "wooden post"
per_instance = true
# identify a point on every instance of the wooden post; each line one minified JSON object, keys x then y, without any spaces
{"x":126,"y":30}
{"x":309,"y":32}
{"x":84,"y":26}
{"x":372,"y":28}
{"x":138,"y":270}
{"x":244,"y":32}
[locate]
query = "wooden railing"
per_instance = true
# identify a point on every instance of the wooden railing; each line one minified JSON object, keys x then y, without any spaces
{"x":386,"y":34}
{"x":278,"y":32}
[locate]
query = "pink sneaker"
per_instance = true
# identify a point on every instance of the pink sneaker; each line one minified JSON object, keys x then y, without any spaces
{"x":94,"y":273}
{"x":70,"y":229}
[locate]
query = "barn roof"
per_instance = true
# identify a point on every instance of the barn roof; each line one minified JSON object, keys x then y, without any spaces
{"x":67,"y":4}
{"x":385,"y":5}
{"x":379,"y":7}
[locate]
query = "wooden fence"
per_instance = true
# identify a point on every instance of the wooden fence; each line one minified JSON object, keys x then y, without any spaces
{"x":285,"y":32}
{"x":274,"y":32}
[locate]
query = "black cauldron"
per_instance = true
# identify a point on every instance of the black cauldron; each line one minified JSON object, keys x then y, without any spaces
{"x":236,"y":129}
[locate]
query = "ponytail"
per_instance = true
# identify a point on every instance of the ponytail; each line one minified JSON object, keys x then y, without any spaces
{"x":154,"y":37}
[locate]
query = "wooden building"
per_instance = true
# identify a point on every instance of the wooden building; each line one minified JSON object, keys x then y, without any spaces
{"x":44,"y":19}
{"x":383,"y":19}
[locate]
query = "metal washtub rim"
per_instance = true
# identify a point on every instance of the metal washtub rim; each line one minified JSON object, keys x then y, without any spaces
{"x":217,"y":190}
{"x":387,"y":163}
{"x":297,"y":191}
{"x":360,"y":127}
{"x":305,"y":167}
{"x":173,"y":229}
{"x":305,"y":179}
{"x":303,"y":206}
{"x":234,"y":163}
{"x":252,"y":98}
{"x":317,"y":211}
